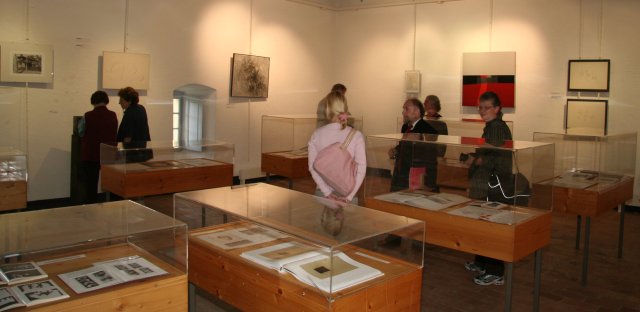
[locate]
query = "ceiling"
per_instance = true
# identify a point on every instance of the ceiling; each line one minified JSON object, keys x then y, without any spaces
{"x":342,"y":5}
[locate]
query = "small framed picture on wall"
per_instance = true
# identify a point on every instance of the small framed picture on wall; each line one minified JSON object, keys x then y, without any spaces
{"x":589,"y":75}
{"x":412,"y":81}
{"x":586,"y":117}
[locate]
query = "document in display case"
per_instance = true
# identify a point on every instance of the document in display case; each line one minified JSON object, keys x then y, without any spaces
{"x":153,"y":168}
{"x":284,"y":143}
{"x":87,"y":257}
{"x":310,"y":253}
{"x":13,"y":179}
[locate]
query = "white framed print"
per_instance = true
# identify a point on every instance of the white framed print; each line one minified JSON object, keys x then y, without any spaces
{"x":412,"y":81}
{"x":121,"y":69}
{"x":26,"y":62}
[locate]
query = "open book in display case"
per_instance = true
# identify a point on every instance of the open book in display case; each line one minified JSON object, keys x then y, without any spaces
{"x":151,"y":168}
{"x":105,"y":257}
{"x":307,"y":252}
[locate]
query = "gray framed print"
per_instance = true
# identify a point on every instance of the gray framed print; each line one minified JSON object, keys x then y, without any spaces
{"x":26,"y":62}
{"x":250,"y":76}
{"x":412,"y":81}
{"x":589,"y":75}
{"x":586,"y":117}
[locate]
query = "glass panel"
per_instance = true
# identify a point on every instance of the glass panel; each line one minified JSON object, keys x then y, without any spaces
{"x":465,"y":168}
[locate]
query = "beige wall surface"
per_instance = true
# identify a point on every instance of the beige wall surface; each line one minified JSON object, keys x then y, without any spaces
{"x":192,"y":42}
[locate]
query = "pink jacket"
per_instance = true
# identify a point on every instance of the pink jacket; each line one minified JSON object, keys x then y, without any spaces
{"x":327,"y":135}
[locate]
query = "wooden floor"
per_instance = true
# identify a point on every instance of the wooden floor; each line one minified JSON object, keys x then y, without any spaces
{"x":614,"y":284}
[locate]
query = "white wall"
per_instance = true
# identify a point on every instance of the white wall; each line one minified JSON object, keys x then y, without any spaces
{"x":310,"y":48}
{"x":189,"y":42}
{"x":375,"y":47}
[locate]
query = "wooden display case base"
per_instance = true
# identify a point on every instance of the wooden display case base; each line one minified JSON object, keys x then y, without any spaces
{"x":251,"y":287}
{"x":167,"y":293}
{"x":13,"y":195}
{"x":283,"y":164}
{"x":129,"y":184}
{"x":590,"y":202}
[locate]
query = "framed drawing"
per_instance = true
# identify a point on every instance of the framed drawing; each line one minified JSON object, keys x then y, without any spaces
{"x":250,"y":76}
{"x":120,"y":70}
{"x":586,"y":117}
{"x":412,"y":81}
{"x":489,"y":71}
{"x":26,"y":62}
{"x":589,"y":75}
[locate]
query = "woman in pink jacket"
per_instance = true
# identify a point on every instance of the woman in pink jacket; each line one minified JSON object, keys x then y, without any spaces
{"x":337,"y":131}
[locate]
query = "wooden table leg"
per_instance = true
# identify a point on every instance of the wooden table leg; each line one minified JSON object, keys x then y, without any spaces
{"x":192,"y":297}
{"x":578,"y":231}
{"x":585,"y":257}
{"x":536,"y":280}
{"x":508,"y":276}
{"x":621,"y":230}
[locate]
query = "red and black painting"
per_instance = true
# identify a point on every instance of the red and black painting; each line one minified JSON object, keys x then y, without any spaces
{"x":474,"y":85}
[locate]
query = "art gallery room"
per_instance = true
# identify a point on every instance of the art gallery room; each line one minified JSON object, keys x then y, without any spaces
{"x":319,"y":155}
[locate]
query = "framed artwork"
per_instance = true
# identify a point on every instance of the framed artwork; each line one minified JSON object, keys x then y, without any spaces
{"x":26,"y":62}
{"x":250,"y":76}
{"x":412,"y":81}
{"x":488,"y":71}
{"x":589,"y":75}
{"x":120,"y":70}
{"x":586,"y":117}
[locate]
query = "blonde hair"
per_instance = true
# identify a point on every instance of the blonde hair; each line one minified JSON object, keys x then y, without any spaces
{"x":335,"y":105}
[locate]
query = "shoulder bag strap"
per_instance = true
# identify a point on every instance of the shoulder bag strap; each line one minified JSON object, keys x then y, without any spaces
{"x":348,"y":139}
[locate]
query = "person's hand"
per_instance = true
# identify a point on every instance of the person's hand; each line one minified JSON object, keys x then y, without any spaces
{"x":337,"y":198}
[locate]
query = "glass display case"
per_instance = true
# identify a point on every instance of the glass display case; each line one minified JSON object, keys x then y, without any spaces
{"x":13,"y":179}
{"x":117,"y":253}
{"x":464,"y":127}
{"x":152,"y":168}
{"x":472,"y":168}
{"x":594,"y":162}
{"x":309,"y":252}
{"x":284,"y":143}
{"x":600,"y":167}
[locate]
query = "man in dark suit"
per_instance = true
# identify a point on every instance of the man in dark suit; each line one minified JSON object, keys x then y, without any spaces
{"x":409,"y":155}
{"x":101,"y":125}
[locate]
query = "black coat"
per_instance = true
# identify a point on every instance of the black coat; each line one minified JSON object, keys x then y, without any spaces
{"x":134,"y":125}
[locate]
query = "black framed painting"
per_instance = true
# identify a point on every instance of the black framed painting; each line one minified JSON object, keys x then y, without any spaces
{"x":589,"y":75}
{"x":250,"y":76}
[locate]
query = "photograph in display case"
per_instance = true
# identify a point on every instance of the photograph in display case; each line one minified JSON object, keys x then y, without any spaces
{"x":586,"y":117}
{"x":30,"y":294}
{"x":250,"y":76}
{"x":26,"y":62}
{"x":589,"y":75}
{"x":489,"y":71}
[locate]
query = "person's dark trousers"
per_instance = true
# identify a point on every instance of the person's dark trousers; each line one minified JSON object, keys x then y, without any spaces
{"x":493,"y":266}
{"x":89,"y":174}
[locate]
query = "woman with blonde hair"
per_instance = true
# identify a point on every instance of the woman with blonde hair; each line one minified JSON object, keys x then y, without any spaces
{"x":337,"y":131}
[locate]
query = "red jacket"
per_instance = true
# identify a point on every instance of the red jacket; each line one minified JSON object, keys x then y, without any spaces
{"x":101,"y":126}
